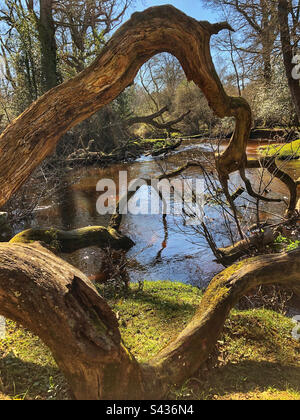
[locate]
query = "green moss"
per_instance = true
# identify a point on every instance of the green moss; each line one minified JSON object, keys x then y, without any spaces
{"x":217,"y":291}
{"x":256,"y":356}
{"x":256,"y":359}
{"x":29,"y":236}
{"x":282,"y":152}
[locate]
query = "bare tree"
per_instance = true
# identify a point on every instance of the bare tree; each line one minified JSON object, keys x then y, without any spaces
{"x":257,"y":23}
{"x":289,"y":43}
{"x":83,"y":27}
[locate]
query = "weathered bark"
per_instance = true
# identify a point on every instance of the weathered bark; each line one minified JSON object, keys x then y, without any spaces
{"x":287,"y":51}
{"x":64,"y":309}
{"x":33,"y":136}
{"x":70,"y":241}
{"x":46,"y":30}
{"x":60,"y":305}
{"x":56,"y":301}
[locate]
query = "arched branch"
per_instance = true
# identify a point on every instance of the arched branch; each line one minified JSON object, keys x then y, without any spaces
{"x":181,"y":359}
{"x":59,"y":304}
{"x":33,"y":136}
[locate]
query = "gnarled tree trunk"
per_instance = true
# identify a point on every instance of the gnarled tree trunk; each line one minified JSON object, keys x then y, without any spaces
{"x":64,"y":309}
{"x":287,"y":52}
{"x":33,"y":136}
{"x":55,"y":300}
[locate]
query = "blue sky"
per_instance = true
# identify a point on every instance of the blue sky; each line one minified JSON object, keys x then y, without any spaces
{"x":192,"y":8}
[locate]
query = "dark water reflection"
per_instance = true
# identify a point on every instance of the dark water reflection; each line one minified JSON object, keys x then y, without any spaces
{"x":163,"y":251}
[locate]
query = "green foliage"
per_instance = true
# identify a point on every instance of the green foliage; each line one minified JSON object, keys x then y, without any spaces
{"x":123,"y":104}
{"x":285,"y":243}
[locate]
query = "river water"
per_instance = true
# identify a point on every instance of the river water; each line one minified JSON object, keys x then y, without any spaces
{"x":165,"y":249}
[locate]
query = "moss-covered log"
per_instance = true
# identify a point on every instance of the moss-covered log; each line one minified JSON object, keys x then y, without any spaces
{"x":70,"y":241}
{"x":59,"y":304}
{"x":26,"y":142}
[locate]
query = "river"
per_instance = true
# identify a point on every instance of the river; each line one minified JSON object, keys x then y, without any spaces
{"x":164,"y":250}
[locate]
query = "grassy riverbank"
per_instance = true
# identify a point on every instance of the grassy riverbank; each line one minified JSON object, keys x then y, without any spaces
{"x":256,"y":357}
{"x":281,"y":151}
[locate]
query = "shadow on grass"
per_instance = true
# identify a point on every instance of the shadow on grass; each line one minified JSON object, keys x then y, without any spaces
{"x":26,"y":380}
{"x":248,"y":377}
{"x":162,"y":304}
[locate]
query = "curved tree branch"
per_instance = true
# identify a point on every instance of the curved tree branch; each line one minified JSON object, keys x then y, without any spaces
{"x":146,"y":119}
{"x":60,"y":305}
{"x":271,"y":165}
{"x":253,"y":194}
{"x":33,"y":136}
{"x":181,"y":359}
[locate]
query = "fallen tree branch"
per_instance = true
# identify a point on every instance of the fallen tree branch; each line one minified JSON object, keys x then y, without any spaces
{"x":147,"y":119}
{"x":70,"y":241}
{"x":169,"y":124}
{"x":166,"y":149}
{"x":181,"y":169}
{"x":257,"y":240}
{"x":150,"y":120}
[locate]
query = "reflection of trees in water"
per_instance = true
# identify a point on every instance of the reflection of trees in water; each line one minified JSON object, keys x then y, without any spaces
{"x":165,"y":241}
{"x":67,"y":205}
{"x":77,"y":207}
